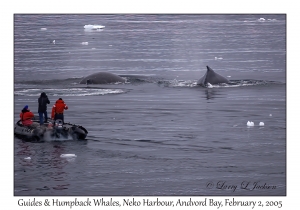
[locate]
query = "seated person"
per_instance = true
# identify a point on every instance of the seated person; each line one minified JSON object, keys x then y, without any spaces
{"x":26,"y":115}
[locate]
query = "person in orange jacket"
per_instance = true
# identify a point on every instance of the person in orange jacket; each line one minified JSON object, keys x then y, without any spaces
{"x":25,"y":116}
{"x":58,"y":110}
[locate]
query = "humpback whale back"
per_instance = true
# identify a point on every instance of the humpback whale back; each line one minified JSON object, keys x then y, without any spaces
{"x":102,"y":78}
{"x":212,"y":78}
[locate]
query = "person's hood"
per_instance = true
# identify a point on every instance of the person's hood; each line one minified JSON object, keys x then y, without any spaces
{"x":59,"y":101}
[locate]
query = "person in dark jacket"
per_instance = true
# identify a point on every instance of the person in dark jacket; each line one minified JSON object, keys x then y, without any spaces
{"x":43,"y":101}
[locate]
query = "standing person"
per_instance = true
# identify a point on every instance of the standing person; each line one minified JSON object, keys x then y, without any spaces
{"x":58,"y":110}
{"x":43,"y":101}
{"x":25,"y":116}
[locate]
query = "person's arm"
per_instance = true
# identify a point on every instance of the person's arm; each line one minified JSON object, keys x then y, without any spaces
{"x":30,"y":115}
{"x":53,"y":112}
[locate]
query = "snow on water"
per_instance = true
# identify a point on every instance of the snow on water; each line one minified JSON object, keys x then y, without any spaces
{"x":68,"y":92}
{"x":261,"y":20}
{"x":232,"y":84}
{"x":50,"y":138}
{"x":178,"y":83}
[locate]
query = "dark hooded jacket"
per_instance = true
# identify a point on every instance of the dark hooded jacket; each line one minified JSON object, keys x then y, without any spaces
{"x":43,"y":101}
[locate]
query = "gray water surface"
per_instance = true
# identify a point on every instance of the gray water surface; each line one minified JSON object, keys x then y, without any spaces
{"x":159,"y":133}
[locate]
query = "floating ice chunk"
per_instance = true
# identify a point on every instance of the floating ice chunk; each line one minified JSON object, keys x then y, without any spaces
{"x":27,"y":158}
{"x":84,"y":43}
{"x":43,"y":29}
{"x":93,"y":27}
{"x":53,"y":41}
{"x":93,"y":48}
{"x":220,"y":58}
{"x":228,"y":76}
{"x":270,"y":115}
{"x":261,"y":124}
{"x":67,"y":155}
{"x":261,"y":19}
{"x":250,"y":124}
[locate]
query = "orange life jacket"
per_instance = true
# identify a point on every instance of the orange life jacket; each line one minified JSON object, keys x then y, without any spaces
{"x":25,"y":117}
{"x":58,"y":108}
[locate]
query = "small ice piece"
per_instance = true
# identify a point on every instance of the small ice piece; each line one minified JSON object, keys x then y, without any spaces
{"x":228,"y":76}
{"x":88,"y":26}
{"x":270,"y":115}
{"x":43,"y":29}
{"x":98,"y":27}
{"x":27,"y":158}
{"x":67,"y":155}
{"x":84,"y":43}
{"x":261,"y":19}
{"x":93,"y":27}
{"x":250,"y":124}
{"x":53,"y":41}
{"x":261,"y":124}
{"x":216,"y":58}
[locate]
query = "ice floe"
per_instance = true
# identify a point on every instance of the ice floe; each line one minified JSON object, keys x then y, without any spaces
{"x":93,"y":27}
{"x":68,"y":155}
{"x":220,"y":58}
{"x":250,"y":124}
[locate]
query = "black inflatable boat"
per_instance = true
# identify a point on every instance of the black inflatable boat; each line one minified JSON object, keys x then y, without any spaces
{"x":54,"y":130}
